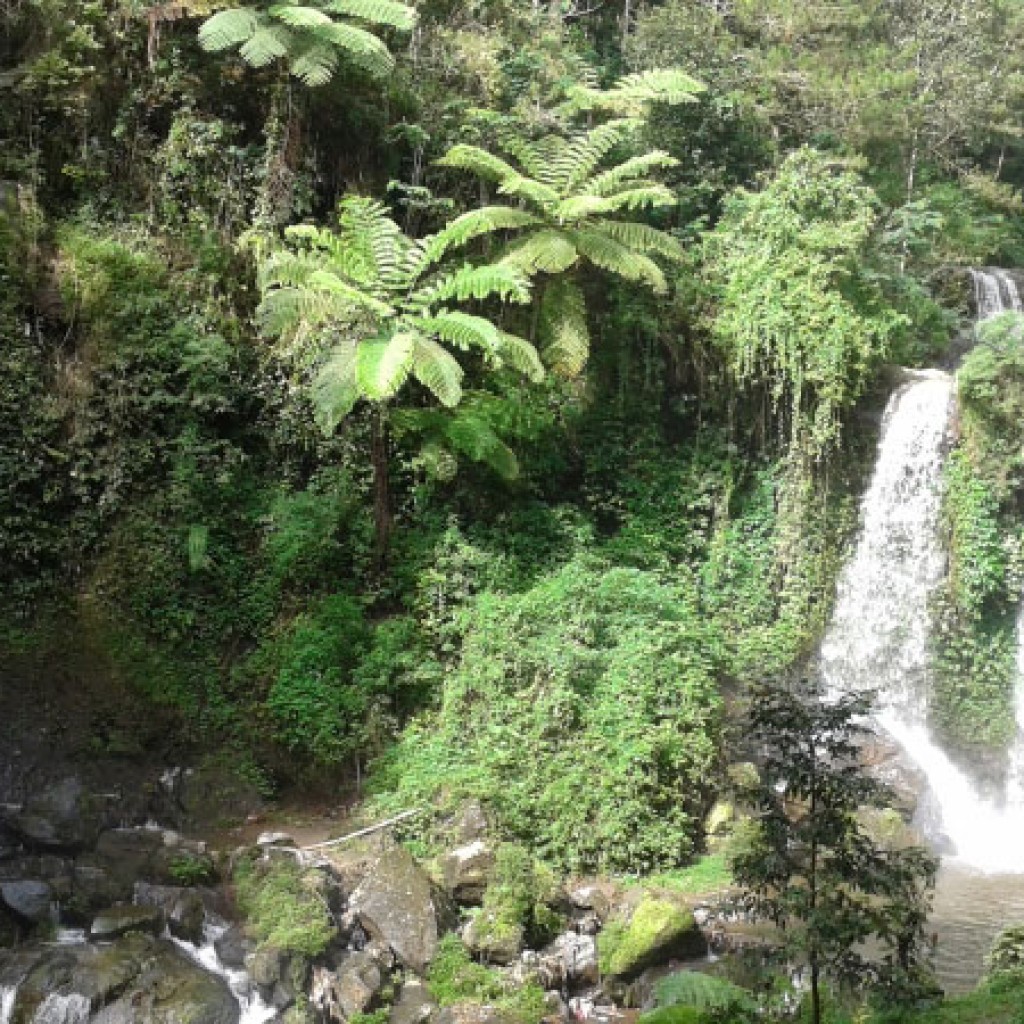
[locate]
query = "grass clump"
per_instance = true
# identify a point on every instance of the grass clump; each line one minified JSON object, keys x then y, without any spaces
{"x":708,"y":875}
{"x":284,"y":907}
{"x":454,"y":977}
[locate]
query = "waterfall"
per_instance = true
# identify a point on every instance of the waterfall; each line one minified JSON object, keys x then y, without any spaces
{"x":58,"y":1009}
{"x":251,"y":1006}
{"x":995,"y":291}
{"x":878,"y":637}
{"x":7,"y":996}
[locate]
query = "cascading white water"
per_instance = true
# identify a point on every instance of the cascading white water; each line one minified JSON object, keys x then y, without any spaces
{"x":8,"y":993}
{"x":60,"y":1009}
{"x":878,"y":637}
{"x":250,"y":1004}
{"x":995,"y":291}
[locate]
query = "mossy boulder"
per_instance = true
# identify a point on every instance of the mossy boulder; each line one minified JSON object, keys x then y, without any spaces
{"x":119,"y":920}
{"x":657,"y":932}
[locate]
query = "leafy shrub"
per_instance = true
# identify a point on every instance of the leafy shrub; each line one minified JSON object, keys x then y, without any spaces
{"x":584,"y":712}
{"x":284,"y":907}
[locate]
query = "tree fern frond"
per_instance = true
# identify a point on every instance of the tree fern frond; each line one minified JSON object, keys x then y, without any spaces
{"x":564,"y":327}
{"x":608,"y":254}
{"x":628,"y":172}
{"x":267,"y":44}
{"x":295,"y":16}
{"x":502,"y":281}
{"x":438,"y":371}
{"x":588,"y":150}
{"x":660,"y":85}
{"x":323,"y":280}
{"x":360,"y":46}
{"x":522,"y":356}
{"x":643,"y":197}
{"x":476,"y":223}
{"x":542,"y":159}
{"x":479,"y":161}
{"x":642,"y":238}
{"x":464,"y":330}
{"x":475,"y":438}
{"x":530,"y":189}
{"x":315,"y":65}
{"x":383,"y":364}
{"x":548,"y":251}
{"x":335,"y":388}
{"x":376,"y":12}
{"x":577,"y":208}
{"x":367,"y":227}
{"x":229,"y":28}
{"x":632,"y":94}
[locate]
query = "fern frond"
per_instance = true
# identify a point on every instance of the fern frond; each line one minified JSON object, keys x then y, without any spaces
{"x":530,"y":189}
{"x":295,"y":16}
{"x":608,"y":254}
{"x":495,"y":279}
{"x":376,"y":12}
{"x":577,"y":208}
{"x":563,"y":314}
{"x":633,"y":94}
{"x":522,"y":356}
{"x":475,"y":224}
{"x":464,"y":330}
{"x":589,"y":149}
{"x":642,"y":238}
{"x":383,"y":364}
{"x":363,"y":48}
{"x":367,"y":227}
{"x":335,"y":388}
{"x":543,"y":159}
{"x":661,"y":85}
{"x":475,"y":438}
{"x":438,"y":371}
{"x":702,"y":992}
{"x":548,"y":251}
{"x":643,"y":197}
{"x":479,"y":161}
{"x":226,"y":29}
{"x":267,"y":44}
{"x":324,"y":281}
{"x":628,"y":172}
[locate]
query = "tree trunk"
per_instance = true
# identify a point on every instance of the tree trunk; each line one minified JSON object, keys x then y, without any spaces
{"x":381,"y":486}
{"x":812,"y":879}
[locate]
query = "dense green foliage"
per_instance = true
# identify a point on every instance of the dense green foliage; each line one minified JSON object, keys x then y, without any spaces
{"x":976,"y":612}
{"x":540,"y":581}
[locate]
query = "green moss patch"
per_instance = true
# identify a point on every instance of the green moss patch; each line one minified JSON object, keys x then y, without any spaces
{"x":657,"y":931}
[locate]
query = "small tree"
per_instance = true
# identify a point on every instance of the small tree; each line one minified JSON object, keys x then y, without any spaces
{"x":810,"y":866}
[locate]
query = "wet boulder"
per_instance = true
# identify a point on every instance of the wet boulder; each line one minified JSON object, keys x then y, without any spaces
{"x":181,"y":908}
{"x":414,"y":1004}
{"x":124,"y":918}
{"x":396,"y":904}
{"x":28,"y":901}
{"x":490,"y":937}
{"x":62,"y":816}
{"x":657,"y":931}
{"x":354,"y":985}
{"x":570,"y":962}
{"x":467,"y":870}
{"x":135,"y":980}
{"x":279,"y":975}
{"x":233,"y":947}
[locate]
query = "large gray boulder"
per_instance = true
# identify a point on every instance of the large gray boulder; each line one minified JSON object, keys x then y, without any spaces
{"x":396,"y":904}
{"x":467,"y":870}
{"x":30,"y":901}
{"x":182,"y":908}
{"x":354,"y":985}
{"x":63,"y":816}
{"x":136,"y":980}
{"x":414,"y":1004}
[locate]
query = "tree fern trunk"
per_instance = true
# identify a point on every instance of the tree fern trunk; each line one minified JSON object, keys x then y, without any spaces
{"x":381,"y":486}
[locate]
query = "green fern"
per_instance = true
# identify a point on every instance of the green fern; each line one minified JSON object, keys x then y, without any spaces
{"x":391,"y":300}
{"x":568,"y":210}
{"x":310,"y":38}
{"x":703,"y":992}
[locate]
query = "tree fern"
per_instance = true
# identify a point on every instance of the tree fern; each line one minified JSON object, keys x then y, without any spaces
{"x":391,"y":299}
{"x":310,"y":38}
{"x":568,"y":210}
{"x":633,"y":94}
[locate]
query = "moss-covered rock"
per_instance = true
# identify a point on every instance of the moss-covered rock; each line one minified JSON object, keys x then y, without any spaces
{"x":658,"y":931}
